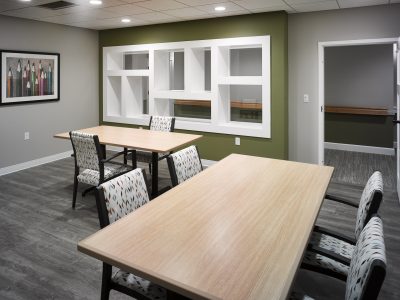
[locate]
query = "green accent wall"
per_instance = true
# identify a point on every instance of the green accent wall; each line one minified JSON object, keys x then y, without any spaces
{"x":215,"y":146}
{"x":376,"y":131}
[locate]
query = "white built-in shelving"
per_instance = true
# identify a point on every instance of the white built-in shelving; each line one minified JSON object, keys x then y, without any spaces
{"x":220,"y":85}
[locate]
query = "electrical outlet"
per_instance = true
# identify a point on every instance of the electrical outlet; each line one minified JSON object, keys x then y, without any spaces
{"x":306,"y":98}
{"x":26,"y":136}
{"x":237,"y":141}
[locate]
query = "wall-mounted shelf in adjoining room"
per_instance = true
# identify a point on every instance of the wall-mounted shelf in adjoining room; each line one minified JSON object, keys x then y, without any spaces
{"x":357,"y":110}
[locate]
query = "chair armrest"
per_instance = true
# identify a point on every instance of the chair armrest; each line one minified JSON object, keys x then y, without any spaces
{"x":329,"y":254}
{"x":341,"y":200}
{"x":335,"y":234}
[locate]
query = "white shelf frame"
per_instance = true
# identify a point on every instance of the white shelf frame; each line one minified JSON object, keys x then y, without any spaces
{"x":220,"y":77}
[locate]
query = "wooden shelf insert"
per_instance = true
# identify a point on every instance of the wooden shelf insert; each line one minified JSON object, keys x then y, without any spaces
{"x":357,"y":110}
{"x":207,"y":103}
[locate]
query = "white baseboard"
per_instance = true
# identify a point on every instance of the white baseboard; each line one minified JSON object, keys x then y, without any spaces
{"x":360,"y":148}
{"x":207,"y":163}
{"x":34,"y":163}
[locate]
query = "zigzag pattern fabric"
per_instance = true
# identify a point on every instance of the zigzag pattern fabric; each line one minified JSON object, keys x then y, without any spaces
{"x":124,"y":194}
{"x":160,"y":123}
{"x":85,"y":150}
{"x":373,"y":189}
{"x":370,"y":249}
{"x":187,"y":163}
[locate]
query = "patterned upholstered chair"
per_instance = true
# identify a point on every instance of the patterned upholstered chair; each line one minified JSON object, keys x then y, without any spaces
{"x":157,"y":123}
{"x":115,"y":199}
{"x":342,"y":247}
{"x":90,"y":167}
{"x":367,"y":269}
{"x":184,"y":164}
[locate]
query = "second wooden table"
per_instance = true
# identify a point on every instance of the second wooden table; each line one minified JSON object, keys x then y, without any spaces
{"x":140,"y":139}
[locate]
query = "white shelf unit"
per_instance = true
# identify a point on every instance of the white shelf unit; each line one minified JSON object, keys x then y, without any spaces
{"x":205,"y":84}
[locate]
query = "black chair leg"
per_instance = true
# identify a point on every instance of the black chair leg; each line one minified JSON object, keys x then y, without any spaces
{"x":106,"y":280}
{"x":150,"y":168}
{"x":75,"y":191}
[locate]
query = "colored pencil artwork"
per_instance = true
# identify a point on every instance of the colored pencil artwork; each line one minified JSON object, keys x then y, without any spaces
{"x":29,"y":77}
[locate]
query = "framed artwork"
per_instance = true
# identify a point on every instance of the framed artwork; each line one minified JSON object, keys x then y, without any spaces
{"x":29,"y":77}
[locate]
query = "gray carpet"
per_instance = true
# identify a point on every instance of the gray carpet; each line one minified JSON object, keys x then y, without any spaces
{"x":40,"y":231}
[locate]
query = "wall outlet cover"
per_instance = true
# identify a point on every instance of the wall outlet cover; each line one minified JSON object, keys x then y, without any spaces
{"x":237,"y":141}
{"x":26,"y":135}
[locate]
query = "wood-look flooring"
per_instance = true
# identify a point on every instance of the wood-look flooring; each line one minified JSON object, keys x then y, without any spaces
{"x":39,"y":232}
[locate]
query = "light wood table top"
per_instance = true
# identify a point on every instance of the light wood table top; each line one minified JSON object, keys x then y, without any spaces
{"x":141,"y":139}
{"x":237,"y":230}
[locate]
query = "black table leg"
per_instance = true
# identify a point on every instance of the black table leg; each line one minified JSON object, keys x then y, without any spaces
{"x":154,"y":175}
{"x":103,"y":149}
{"x":125,"y":155}
{"x":134,"y":161}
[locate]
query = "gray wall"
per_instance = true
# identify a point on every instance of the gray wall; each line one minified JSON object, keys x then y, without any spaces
{"x":79,"y":103}
{"x":305,"y":31}
{"x":359,"y":76}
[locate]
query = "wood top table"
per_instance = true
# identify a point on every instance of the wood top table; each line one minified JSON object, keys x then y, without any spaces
{"x":237,"y":230}
{"x":139,"y":139}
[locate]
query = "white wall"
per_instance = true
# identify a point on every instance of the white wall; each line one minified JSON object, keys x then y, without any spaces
{"x":359,"y":76}
{"x":305,"y":31}
{"x":79,"y":103}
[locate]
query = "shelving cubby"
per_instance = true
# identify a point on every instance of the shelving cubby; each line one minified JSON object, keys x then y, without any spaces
{"x":220,"y":85}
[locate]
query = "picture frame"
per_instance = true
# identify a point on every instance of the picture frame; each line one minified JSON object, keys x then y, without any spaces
{"x":28,"y":77}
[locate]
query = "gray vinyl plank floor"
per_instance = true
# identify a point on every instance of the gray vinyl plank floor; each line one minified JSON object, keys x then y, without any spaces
{"x":39,"y":233}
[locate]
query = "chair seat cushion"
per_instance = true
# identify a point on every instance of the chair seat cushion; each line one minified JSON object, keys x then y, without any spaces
{"x":139,"y":285}
{"x":320,"y":261}
{"x":92,"y":177}
{"x":145,"y":156}
{"x":332,"y":244}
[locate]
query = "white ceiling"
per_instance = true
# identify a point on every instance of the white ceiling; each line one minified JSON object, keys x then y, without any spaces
{"x":145,"y":12}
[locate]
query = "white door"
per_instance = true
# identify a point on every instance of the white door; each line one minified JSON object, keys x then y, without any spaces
{"x":398,"y":117}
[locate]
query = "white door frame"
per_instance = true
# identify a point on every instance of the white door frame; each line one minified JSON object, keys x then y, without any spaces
{"x":321,"y":81}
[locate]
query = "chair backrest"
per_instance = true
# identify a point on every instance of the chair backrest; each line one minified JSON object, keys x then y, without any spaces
{"x":370,"y":201}
{"x":184,"y":164}
{"x":120,"y":196}
{"x":87,"y":150}
{"x":160,"y":123}
{"x":368,"y":264}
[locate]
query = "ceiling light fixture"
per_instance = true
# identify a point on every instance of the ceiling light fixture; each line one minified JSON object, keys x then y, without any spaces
{"x":96,"y":2}
{"x":220,"y":8}
{"x":25,"y":0}
{"x":125,"y":20}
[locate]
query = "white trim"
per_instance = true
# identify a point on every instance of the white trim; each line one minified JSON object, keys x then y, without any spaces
{"x":321,"y":87}
{"x":360,"y":148}
{"x":34,"y":163}
{"x":207,"y":163}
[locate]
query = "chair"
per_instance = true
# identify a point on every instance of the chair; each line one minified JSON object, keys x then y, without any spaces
{"x":184,"y":164}
{"x":339,"y":244}
{"x":90,"y":165}
{"x":368,"y":265}
{"x":157,"y":123}
{"x":115,"y":199}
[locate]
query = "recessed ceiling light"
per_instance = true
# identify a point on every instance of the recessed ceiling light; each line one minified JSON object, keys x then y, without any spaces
{"x":96,"y":2}
{"x":25,"y":0}
{"x":125,"y":20}
{"x":220,"y":8}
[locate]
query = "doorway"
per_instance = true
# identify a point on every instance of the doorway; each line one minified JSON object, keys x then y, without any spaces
{"x":355,"y":119}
